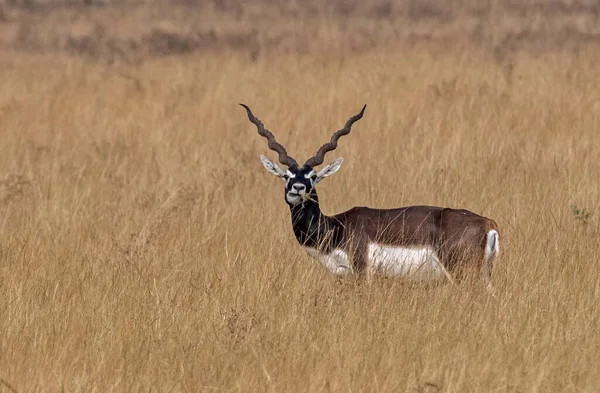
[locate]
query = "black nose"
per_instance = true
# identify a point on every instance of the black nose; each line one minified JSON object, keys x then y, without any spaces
{"x":298,"y":187}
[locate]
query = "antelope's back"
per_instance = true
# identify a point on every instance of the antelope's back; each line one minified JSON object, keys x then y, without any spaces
{"x":415,"y":225}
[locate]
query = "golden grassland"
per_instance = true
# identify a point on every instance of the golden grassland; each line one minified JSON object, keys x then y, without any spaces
{"x":144,"y":248}
{"x":132,"y":30}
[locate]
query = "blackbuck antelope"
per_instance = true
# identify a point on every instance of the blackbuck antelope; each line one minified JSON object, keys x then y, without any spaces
{"x":418,"y":242}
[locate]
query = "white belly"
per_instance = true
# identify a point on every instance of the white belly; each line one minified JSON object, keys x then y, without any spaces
{"x":421,"y":263}
{"x":336,"y":261}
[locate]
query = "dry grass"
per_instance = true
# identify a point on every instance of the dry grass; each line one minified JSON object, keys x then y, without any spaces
{"x":129,"y":31}
{"x":144,"y":248}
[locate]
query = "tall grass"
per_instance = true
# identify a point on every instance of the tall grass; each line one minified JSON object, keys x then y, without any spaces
{"x":144,"y":248}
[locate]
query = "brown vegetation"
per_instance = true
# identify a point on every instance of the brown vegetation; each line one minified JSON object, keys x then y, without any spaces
{"x":123,"y":30}
{"x":144,"y":248}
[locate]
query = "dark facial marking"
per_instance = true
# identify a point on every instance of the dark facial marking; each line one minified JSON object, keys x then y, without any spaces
{"x":300,"y":178}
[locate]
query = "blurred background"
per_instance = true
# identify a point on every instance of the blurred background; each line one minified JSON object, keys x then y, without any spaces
{"x":123,"y":30}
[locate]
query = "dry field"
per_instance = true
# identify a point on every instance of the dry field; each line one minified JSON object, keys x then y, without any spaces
{"x":143,"y":247}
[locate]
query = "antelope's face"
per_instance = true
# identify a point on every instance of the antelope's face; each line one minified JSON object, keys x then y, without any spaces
{"x":300,"y":181}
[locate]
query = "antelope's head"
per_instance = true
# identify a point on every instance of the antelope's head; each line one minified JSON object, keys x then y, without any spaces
{"x":299,"y":180}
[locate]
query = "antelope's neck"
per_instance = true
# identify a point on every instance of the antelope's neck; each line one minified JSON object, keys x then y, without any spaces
{"x":311,"y":227}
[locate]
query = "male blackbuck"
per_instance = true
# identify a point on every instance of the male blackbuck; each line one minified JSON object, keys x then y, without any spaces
{"x":417,"y":242}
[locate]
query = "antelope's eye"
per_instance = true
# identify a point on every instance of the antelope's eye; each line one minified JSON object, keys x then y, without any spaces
{"x":286,"y":177}
{"x":313,"y":176}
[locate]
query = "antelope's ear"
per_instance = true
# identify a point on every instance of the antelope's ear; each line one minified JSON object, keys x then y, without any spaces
{"x":272,"y":167}
{"x":329,"y":170}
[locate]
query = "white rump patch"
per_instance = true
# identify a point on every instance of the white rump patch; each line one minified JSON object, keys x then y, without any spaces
{"x":408,"y":262}
{"x":492,"y":246}
{"x":336,"y":262}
